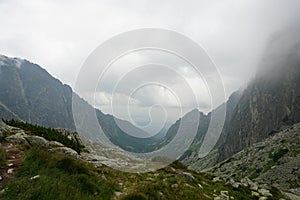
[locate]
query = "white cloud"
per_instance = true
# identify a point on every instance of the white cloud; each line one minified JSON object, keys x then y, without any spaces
{"x":59,"y":35}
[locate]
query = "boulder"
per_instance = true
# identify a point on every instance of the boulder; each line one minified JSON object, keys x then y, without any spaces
{"x":291,"y":196}
{"x":37,"y":141}
{"x":65,"y":150}
{"x":53,"y":144}
{"x":255,"y":194}
{"x":263,"y":198}
{"x":189,"y":177}
{"x":216,"y":179}
{"x":233,"y":183}
{"x":254,"y":186}
{"x":265,"y":192}
{"x":18,"y":138}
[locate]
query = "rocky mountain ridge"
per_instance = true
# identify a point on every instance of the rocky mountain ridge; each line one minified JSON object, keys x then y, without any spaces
{"x":29,"y":93}
{"x":274,"y":161}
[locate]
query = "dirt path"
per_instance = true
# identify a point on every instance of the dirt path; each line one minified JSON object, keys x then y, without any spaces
{"x":15,"y":157}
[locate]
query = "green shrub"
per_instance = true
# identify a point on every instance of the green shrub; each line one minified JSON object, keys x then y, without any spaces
{"x":2,"y":157}
{"x":72,"y":166}
{"x":48,"y":133}
{"x":134,"y":196}
{"x":279,"y":154}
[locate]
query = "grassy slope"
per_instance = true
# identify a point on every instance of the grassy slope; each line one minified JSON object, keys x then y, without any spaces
{"x":2,"y":157}
{"x":63,"y":177}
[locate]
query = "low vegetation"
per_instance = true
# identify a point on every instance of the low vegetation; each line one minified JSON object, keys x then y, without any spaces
{"x":59,"y":177}
{"x":2,"y":157}
{"x":47,"y":175}
{"x":48,"y":133}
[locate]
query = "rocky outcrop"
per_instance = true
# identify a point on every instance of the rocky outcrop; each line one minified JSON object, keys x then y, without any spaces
{"x":17,"y":135}
{"x":65,"y":150}
{"x":274,"y":162}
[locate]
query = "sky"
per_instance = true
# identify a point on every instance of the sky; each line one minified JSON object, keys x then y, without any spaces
{"x":60,"y":35}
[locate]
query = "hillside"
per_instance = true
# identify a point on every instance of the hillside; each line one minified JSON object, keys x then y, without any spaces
{"x":275,"y":161}
{"x":47,"y":174}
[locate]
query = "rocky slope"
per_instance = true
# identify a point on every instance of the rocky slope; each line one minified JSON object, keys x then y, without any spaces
{"x":271,"y":100}
{"x":275,"y":161}
{"x":46,"y":174}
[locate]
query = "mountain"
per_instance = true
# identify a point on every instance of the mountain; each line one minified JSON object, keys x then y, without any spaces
{"x":274,"y":161}
{"x":267,"y":105}
{"x":29,"y":93}
{"x":272,"y":99}
{"x":190,"y":157}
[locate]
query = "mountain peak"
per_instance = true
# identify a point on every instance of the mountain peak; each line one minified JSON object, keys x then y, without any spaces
{"x":16,"y":62}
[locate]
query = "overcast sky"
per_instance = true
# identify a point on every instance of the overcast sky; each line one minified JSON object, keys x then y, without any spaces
{"x":59,"y":35}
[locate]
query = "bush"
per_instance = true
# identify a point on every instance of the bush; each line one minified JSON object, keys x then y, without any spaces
{"x":48,"y":133}
{"x":279,"y":154}
{"x":72,"y":166}
{"x":2,"y":157}
{"x":134,"y":196}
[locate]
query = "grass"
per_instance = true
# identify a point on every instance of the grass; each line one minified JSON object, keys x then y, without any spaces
{"x":63,"y":177}
{"x":60,"y":178}
{"x":2,"y":157}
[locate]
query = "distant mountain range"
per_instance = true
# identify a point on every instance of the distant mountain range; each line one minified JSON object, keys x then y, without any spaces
{"x":29,"y":93}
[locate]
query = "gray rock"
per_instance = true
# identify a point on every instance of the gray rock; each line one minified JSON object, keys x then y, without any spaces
{"x":295,"y":191}
{"x":18,"y":138}
{"x":254,"y":194}
{"x":233,"y":183}
{"x":265,"y":192}
{"x":224,"y":193}
{"x":254,"y":186}
{"x":53,"y":144}
{"x":37,"y":141}
{"x":291,"y":196}
{"x":65,"y":150}
{"x":263,"y":198}
{"x":2,"y":192}
{"x":216,"y":179}
{"x":118,"y":194}
{"x":187,"y":176}
{"x":34,"y":177}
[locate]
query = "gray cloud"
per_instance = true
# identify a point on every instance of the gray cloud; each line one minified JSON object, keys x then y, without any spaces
{"x":59,"y":35}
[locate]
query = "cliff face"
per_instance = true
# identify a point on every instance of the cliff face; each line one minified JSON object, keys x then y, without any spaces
{"x":191,"y":157}
{"x":271,"y":101}
{"x":30,"y":93}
